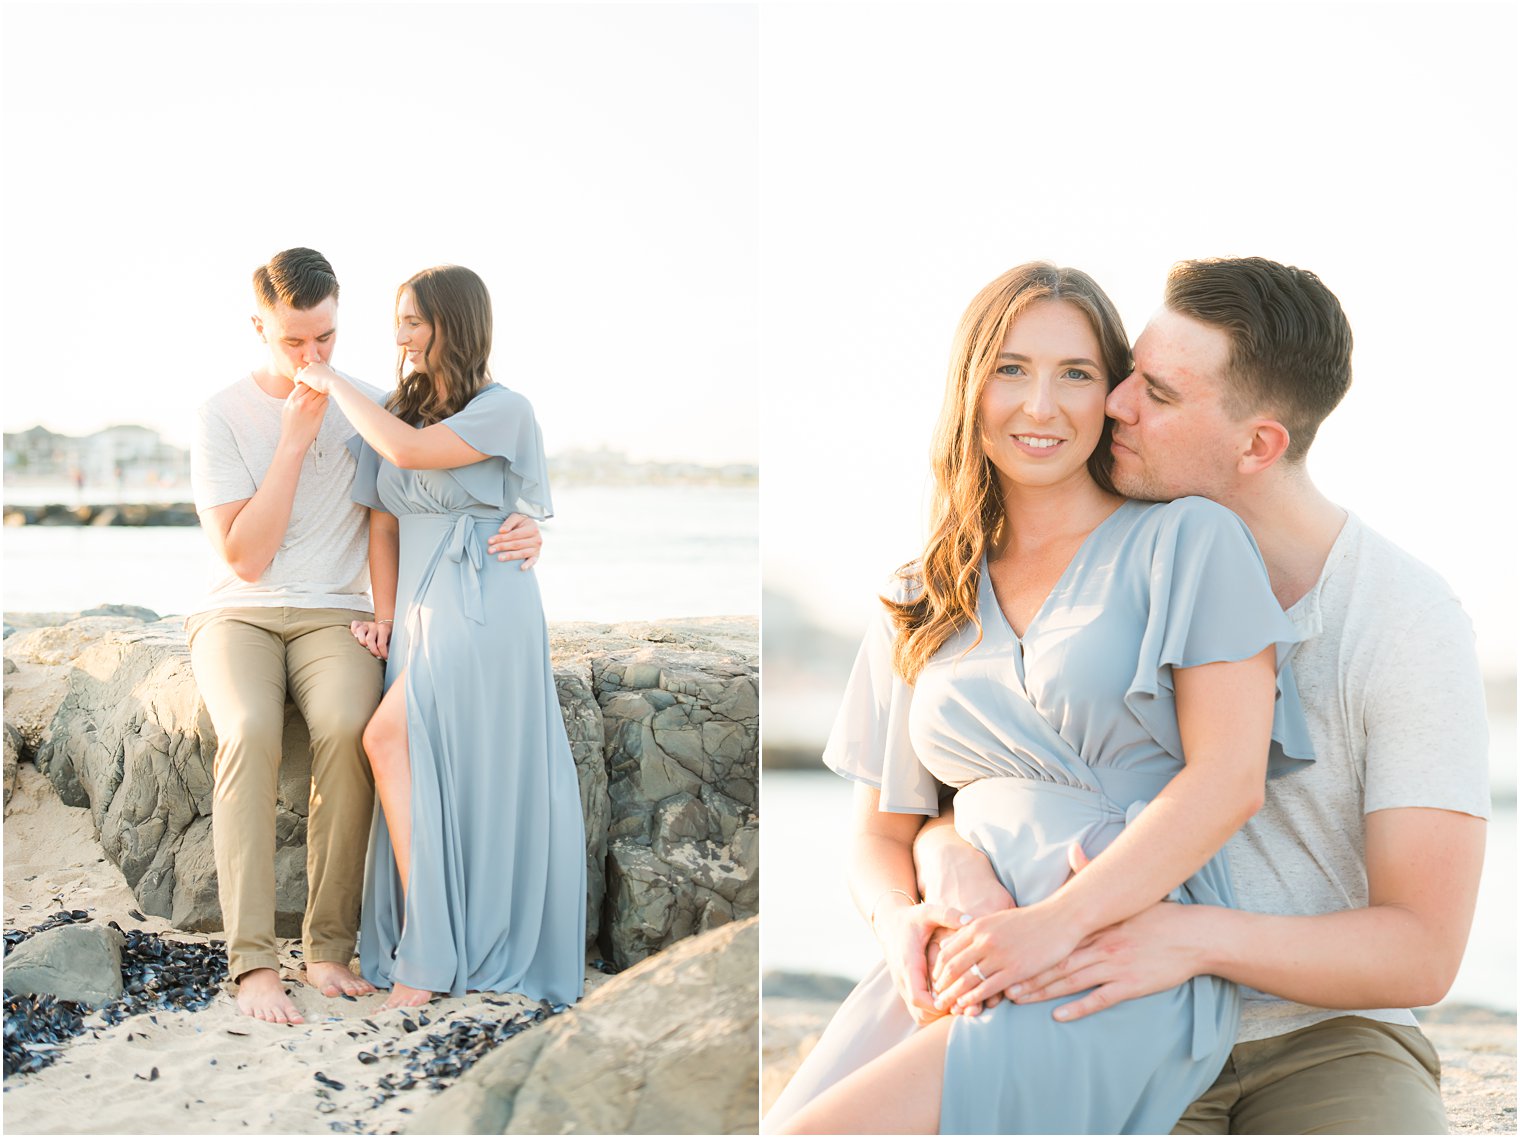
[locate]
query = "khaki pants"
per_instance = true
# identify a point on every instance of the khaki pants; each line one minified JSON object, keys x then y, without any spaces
{"x":245,"y":660}
{"x":1346,"y":1075}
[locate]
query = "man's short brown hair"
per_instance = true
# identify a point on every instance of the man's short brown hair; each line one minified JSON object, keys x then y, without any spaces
{"x":300,"y":278}
{"x":1290,"y":343}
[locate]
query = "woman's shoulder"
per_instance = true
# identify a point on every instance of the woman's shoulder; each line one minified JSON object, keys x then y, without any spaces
{"x":1190,"y":514}
{"x":498,"y":398}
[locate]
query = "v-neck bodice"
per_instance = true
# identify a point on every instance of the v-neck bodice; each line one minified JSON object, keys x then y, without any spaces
{"x":987,"y":598}
{"x":1088,"y":686}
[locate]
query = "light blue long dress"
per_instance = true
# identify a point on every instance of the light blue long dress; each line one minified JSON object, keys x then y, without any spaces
{"x":497,"y":896}
{"x":1064,"y":734}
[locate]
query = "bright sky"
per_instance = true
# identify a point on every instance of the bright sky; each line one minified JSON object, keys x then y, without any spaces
{"x":596,"y":165}
{"x":910,"y":157}
{"x":636,"y":182}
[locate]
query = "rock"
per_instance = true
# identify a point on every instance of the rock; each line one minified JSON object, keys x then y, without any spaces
{"x":110,"y":514}
{"x":136,"y":612}
{"x":12,"y":759}
{"x":1476,"y":1046}
{"x":41,"y":658}
{"x":681,"y":712}
{"x":70,"y":962}
{"x":109,"y":707}
{"x":667,"y":1047}
{"x":658,"y":894}
{"x":577,"y":702}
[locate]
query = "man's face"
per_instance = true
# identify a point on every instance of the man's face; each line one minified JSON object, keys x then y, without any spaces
{"x":1172,"y":435}
{"x":298,"y":336}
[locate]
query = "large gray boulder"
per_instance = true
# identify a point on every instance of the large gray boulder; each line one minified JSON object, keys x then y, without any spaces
{"x":682,"y":745}
{"x":70,"y":962}
{"x":109,"y":709}
{"x":668,"y":1047}
{"x":42,"y":659}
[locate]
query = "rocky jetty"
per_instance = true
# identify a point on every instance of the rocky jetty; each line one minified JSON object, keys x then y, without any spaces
{"x":662,"y":718}
{"x":669,"y":1047}
{"x":109,"y":514}
{"x":1476,"y":1045}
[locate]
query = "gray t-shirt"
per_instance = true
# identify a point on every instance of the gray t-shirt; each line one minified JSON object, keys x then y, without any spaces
{"x":324,"y":560}
{"x":1390,"y":684}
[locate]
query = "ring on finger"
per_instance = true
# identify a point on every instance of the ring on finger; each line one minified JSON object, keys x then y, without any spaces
{"x":977,"y":971}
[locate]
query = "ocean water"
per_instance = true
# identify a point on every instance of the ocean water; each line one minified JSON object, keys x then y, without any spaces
{"x":811,"y":925}
{"x":611,"y":553}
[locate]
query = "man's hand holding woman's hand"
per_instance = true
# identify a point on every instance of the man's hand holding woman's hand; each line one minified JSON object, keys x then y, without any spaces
{"x":301,"y":417}
{"x":998,"y":947}
{"x":317,"y":376}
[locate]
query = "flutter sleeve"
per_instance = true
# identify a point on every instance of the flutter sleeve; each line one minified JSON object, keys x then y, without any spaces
{"x":366,"y":491}
{"x":500,"y":424}
{"x":1211,"y":601}
{"x":869,"y":742}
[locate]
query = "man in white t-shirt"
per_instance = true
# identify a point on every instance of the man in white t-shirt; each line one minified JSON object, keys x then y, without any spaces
{"x":290,"y":612}
{"x":1358,"y":878}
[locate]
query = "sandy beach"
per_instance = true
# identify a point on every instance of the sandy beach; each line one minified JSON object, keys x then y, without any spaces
{"x":213,"y":1071}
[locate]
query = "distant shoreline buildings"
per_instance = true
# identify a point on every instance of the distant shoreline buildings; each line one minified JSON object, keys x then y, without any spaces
{"x":124,"y":462}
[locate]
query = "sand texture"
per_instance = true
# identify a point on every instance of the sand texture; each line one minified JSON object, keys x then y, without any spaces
{"x":212,"y":1071}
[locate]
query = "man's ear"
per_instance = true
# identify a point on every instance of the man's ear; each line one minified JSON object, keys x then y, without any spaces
{"x":258,"y":325}
{"x":1268,"y":442}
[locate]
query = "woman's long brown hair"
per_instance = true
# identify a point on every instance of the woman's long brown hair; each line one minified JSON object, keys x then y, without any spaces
{"x":456,"y":364}
{"x":968,"y":515}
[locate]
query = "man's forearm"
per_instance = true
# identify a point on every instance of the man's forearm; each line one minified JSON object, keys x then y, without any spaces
{"x":255,"y":535}
{"x":1401,"y":950}
{"x":1378,"y":957}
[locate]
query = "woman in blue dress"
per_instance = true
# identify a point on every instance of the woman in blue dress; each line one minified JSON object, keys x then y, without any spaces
{"x":1077,"y":668}
{"x":476,"y":878}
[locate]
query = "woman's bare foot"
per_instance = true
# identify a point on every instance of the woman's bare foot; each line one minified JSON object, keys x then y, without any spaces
{"x":404,"y":996}
{"x":262,"y":996}
{"x":334,"y":979}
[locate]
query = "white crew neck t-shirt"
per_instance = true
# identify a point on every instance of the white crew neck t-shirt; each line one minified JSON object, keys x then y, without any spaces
{"x":1392,"y":692}
{"x":324,"y":560}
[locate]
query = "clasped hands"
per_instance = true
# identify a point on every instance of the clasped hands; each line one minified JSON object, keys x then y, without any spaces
{"x":944,"y":961}
{"x":1029,"y":955}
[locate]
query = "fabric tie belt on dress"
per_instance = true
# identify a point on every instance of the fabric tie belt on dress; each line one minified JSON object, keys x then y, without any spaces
{"x":1113,"y":803}
{"x":459,"y":542}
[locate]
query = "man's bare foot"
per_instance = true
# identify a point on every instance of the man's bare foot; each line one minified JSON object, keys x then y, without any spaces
{"x":403,"y":996}
{"x":334,"y":979}
{"x":262,"y":996}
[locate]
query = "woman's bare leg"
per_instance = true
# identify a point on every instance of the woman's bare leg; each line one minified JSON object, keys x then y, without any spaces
{"x":896,"y":1093}
{"x":385,"y":742}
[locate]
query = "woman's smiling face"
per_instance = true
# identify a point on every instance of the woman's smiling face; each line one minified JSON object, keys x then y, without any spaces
{"x":413,"y":332}
{"x":1041,"y":410}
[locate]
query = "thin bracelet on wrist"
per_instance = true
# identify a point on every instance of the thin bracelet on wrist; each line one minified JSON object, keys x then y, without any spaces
{"x":385,"y":622}
{"x":912,"y":900}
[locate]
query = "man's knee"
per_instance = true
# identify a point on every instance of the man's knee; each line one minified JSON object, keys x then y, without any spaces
{"x":338,"y":725}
